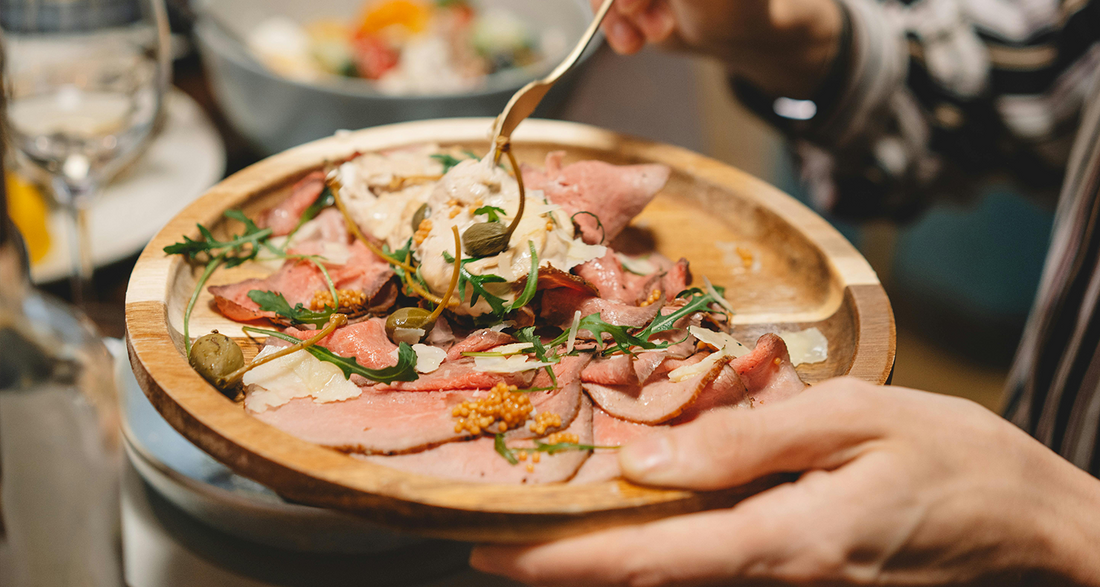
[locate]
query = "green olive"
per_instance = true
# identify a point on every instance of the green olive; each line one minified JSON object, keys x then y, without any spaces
{"x":408,"y":319}
{"x":485,"y":239}
{"x":215,"y":356}
{"x":422,"y":213}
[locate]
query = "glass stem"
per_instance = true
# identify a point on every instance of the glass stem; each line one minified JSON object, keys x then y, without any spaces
{"x":77,"y":201}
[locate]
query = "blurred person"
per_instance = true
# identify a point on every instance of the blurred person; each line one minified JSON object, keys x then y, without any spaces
{"x":913,"y":99}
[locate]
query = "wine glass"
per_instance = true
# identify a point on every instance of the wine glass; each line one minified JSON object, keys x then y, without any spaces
{"x":85,"y":83}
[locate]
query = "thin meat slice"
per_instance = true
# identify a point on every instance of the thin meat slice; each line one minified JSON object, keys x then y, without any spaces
{"x":478,"y":460}
{"x":767,"y":372}
{"x":564,"y":400}
{"x":299,"y":280}
{"x":614,"y":283}
{"x":606,"y":273}
{"x":607,"y":430}
{"x":614,"y":194}
{"x":366,"y":341}
{"x":461,"y":374}
{"x":558,"y":306}
{"x":479,"y":341}
{"x":726,"y":390}
{"x":659,"y":399}
{"x":283,"y":218}
{"x":613,"y":370}
{"x":376,"y":422}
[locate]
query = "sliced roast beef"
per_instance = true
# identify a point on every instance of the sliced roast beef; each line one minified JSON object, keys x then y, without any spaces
{"x":461,"y":374}
{"x":478,"y":460}
{"x":376,"y":422}
{"x":283,"y":218}
{"x":607,"y":430}
{"x":478,"y":341}
{"x":613,"y":282}
{"x":366,"y":341}
{"x":767,"y":372}
{"x":299,"y":280}
{"x":564,"y":400}
{"x":558,"y":306}
{"x":658,"y":399}
{"x":614,"y":194}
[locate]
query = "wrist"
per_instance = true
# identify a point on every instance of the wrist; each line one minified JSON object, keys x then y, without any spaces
{"x":1068,"y":526}
{"x":797,"y":53}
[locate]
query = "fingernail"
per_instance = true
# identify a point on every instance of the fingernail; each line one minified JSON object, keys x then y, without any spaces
{"x":647,"y":455}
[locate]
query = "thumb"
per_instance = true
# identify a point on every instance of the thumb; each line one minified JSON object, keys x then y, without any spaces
{"x":823,"y":428}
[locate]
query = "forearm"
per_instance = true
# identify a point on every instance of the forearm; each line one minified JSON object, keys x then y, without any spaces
{"x":1068,"y":527}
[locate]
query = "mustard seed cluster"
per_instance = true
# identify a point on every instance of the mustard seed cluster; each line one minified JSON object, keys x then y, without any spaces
{"x":543,"y":422}
{"x":503,"y":405}
{"x":348,"y":298}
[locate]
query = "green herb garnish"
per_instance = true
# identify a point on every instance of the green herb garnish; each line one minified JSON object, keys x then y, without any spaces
{"x":700,"y":302}
{"x":621,"y":336}
{"x":494,"y":213}
{"x":324,"y":199}
{"x":532,"y":281}
{"x":565,"y":446}
{"x":508,"y":454}
{"x":599,"y":225}
{"x":448,"y":161}
{"x":270,"y":301}
{"x":477,"y":285}
{"x":404,"y":370}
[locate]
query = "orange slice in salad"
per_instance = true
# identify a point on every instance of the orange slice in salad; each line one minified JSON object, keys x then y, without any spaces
{"x":409,"y":14}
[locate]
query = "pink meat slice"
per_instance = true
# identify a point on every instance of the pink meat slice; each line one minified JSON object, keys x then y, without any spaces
{"x":298,"y":280}
{"x":607,"y":430}
{"x":558,"y":306}
{"x":366,"y":341}
{"x":659,"y":399}
{"x":613,"y":193}
{"x":613,"y":370}
{"x":478,"y":341}
{"x":615,"y":283}
{"x":377,"y":422}
{"x":283,"y":218}
{"x":478,"y":461}
{"x":767,"y":372}
{"x":564,"y":400}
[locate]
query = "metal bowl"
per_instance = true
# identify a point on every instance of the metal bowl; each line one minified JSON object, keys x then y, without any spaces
{"x":276,"y":113}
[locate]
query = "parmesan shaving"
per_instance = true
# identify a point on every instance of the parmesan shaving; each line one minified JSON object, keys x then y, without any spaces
{"x":428,"y":358}
{"x":296,"y":375}
{"x":728,"y":348}
{"x":408,"y":335}
{"x":513,"y":364}
{"x":511,"y":349}
{"x":636,"y":265}
{"x":572,"y":340}
{"x":806,"y":346}
{"x":722,"y":301}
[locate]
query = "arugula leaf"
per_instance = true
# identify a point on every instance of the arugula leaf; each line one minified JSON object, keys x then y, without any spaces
{"x":234,"y":248}
{"x":528,"y":335}
{"x":532,"y":281}
{"x":700,"y":302}
{"x":404,"y":370}
{"x":623,"y":340}
{"x":477,"y":285}
{"x":557,"y":447}
{"x":508,"y":454}
{"x":492,"y":212}
{"x":270,"y":301}
{"x":448,"y":161}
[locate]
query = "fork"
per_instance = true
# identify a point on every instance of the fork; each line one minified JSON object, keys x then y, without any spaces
{"x":524,"y":102}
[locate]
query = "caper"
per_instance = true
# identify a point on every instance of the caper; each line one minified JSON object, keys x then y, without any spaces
{"x":421,"y":214}
{"x":215,"y":356}
{"x":408,"y":320}
{"x":485,"y":239}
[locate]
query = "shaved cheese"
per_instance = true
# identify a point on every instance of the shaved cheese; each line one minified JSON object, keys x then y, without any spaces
{"x":806,"y":346}
{"x":722,"y":301}
{"x":510,"y":349}
{"x":298,"y":374}
{"x":500,"y":327}
{"x":573,"y":332}
{"x":513,"y":364}
{"x":728,"y":348}
{"x":636,"y":265}
{"x":428,"y":358}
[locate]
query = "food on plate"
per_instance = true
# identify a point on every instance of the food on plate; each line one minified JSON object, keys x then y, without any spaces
{"x":404,"y":46}
{"x":436,"y":312}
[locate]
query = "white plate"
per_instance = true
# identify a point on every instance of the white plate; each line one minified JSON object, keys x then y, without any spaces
{"x":186,"y":158}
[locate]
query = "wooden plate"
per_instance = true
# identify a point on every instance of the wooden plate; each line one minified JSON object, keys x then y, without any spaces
{"x":783,"y":266}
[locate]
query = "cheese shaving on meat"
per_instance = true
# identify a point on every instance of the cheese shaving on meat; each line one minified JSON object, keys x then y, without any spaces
{"x":728,"y":348}
{"x":298,"y":374}
{"x":572,"y":340}
{"x":512,"y":364}
{"x":428,"y":358}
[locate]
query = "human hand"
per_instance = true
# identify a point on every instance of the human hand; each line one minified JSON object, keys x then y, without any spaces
{"x":783,"y":46}
{"x":899,"y":487}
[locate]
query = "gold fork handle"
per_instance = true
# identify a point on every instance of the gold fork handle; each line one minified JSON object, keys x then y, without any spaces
{"x":524,"y":102}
